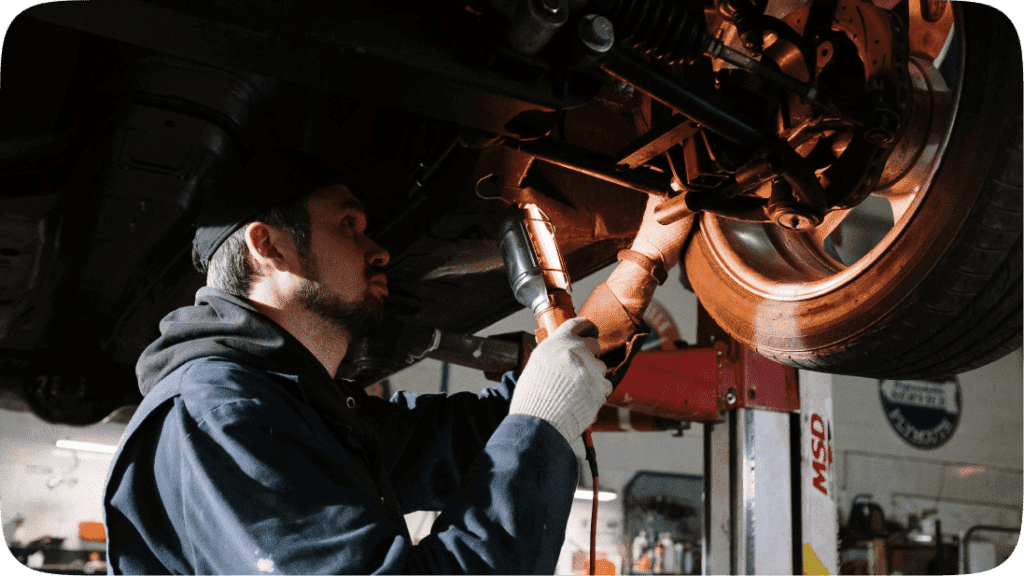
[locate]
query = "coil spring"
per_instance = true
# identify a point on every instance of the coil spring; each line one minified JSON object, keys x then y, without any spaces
{"x":670,"y":31}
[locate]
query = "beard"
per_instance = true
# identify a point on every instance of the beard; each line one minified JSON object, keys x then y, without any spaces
{"x":357,"y":319}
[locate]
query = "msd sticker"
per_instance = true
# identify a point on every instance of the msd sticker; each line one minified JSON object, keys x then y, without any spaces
{"x":924,"y":414}
{"x":821,"y":454}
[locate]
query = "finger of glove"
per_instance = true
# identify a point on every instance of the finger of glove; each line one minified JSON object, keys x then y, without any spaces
{"x":578,"y":329}
{"x":597,"y":388}
{"x":584,"y":410}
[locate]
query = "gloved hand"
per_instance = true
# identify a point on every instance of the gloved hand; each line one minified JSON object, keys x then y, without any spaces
{"x":563,"y":381}
{"x":661,"y":242}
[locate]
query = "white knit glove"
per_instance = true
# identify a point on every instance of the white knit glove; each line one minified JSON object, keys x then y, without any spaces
{"x":563,"y":381}
{"x":661,"y":242}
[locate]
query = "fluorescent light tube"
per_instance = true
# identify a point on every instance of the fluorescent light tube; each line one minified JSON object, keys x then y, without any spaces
{"x":588,"y":494}
{"x":86,"y":446}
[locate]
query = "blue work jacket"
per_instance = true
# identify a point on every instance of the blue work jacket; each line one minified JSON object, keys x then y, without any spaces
{"x":246,"y":457}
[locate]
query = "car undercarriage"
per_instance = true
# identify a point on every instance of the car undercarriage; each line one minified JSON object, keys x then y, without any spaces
{"x":791,"y":130}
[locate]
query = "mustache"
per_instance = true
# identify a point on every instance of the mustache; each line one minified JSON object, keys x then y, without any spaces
{"x":374,"y":271}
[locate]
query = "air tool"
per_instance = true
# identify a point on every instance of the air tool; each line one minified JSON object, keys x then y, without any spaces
{"x":540,"y":282}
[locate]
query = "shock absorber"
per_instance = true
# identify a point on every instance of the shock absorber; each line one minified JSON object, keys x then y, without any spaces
{"x":747,"y":16}
{"x":670,"y":31}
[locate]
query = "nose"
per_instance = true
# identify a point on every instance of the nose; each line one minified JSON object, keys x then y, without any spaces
{"x":376,"y":255}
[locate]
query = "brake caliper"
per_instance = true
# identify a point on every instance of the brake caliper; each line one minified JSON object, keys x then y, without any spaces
{"x":861,"y":50}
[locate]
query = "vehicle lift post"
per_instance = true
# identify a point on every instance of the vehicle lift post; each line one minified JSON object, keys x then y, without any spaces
{"x":769,"y":494}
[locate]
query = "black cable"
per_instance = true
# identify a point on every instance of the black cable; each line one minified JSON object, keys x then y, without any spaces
{"x":588,"y":446}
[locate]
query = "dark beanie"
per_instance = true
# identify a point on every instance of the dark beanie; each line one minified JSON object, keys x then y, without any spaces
{"x":263,"y":181}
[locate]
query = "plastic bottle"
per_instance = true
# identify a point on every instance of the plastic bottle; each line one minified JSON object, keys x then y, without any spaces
{"x":639,"y":547}
{"x":668,"y":562}
{"x":659,"y":556}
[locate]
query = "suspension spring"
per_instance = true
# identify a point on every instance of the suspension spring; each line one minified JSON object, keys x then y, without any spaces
{"x":670,"y":31}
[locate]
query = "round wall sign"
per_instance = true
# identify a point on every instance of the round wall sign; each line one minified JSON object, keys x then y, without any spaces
{"x":924,"y":413}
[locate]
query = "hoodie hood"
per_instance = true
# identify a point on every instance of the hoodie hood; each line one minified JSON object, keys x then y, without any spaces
{"x":224,"y":326}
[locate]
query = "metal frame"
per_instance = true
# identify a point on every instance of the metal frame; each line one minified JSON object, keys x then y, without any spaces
{"x":769,"y":499}
{"x":964,"y":550}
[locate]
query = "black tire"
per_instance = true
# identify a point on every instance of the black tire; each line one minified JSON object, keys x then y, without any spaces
{"x":947,"y":298}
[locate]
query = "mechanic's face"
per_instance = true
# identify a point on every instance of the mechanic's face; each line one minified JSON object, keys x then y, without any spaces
{"x":345,"y":282}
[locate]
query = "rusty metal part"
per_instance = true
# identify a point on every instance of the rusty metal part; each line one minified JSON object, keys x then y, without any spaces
{"x":824,"y":54}
{"x":490,"y":355}
{"x":704,"y":172}
{"x":869,"y":27}
{"x":683,"y":99}
{"x":673,"y":210}
{"x":789,"y":213}
{"x":880,"y":40}
{"x":791,"y":266}
{"x":592,"y":164}
{"x":718,"y":49}
{"x":748,"y":17}
{"x":755,"y":173}
{"x":917,"y":150}
{"x":701,"y":170}
{"x":656,"y":142}
{"x":929,"y":25}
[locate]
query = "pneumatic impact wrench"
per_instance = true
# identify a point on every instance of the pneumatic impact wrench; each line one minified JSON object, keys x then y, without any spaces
{"x":539,"y":281}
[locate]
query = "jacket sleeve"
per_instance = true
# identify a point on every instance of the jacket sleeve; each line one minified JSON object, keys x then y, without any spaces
{"x":260,"y":496}
{"x":431,"y":440}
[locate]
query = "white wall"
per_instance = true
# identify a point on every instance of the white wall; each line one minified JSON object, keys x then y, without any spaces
{"x":976,"y":477}
{"x":29,"y":460}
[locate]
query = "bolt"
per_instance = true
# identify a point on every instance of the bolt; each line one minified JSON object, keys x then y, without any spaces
{"x":794,"y":221}
{"x":730,"y":396}
{"x":597,"y":33}
{"x":793,"y":217}
{"x":881,"y":129}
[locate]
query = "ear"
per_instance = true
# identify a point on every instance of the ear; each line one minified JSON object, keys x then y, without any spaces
{"x":270,"y":248}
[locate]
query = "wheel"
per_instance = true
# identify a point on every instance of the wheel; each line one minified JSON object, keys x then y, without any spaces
{"x":923,"y":279}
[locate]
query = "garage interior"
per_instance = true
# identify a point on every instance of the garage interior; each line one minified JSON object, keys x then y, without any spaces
{"x":713,"y":460}
{"x":892,"y":498}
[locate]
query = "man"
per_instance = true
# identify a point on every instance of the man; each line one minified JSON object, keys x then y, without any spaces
{"x":246,"y":456}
